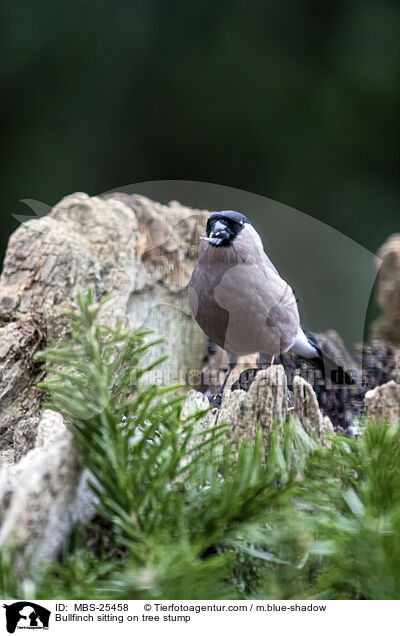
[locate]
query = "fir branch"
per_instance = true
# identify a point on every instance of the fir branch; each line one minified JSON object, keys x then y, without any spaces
{"x":195,"y":518}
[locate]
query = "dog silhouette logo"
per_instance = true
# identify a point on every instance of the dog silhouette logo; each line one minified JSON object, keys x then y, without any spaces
{"x":26,"y":615}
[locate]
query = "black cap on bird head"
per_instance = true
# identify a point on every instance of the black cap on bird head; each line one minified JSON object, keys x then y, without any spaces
{"x":223,"y":227}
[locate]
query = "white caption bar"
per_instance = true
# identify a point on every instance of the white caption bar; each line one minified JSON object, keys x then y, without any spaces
{"x":194,"y":617}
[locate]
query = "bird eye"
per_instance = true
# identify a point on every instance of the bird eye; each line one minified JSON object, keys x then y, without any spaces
{"x":241,"y":222}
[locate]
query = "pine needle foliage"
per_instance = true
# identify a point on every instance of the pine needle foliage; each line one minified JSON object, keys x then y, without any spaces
{"x":188,"y":516}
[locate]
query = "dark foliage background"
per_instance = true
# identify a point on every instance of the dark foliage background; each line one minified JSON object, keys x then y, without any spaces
{"x":298,"y":101}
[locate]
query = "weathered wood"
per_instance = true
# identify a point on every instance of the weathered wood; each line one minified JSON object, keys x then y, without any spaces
{"x":387,"y":326}
{"x":383,"y":402}
{"x":140,"y":251}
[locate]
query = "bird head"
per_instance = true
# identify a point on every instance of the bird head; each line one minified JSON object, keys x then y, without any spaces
{"x":223,"y":228}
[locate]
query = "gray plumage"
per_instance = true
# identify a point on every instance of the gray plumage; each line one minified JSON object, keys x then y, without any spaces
{"x":238,"y":298}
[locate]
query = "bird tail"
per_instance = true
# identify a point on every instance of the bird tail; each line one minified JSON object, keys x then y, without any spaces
{"x":307,"y":347}
{"x":331,"y":370}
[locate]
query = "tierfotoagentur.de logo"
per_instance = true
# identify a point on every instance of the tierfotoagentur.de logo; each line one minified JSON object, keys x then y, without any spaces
{"x":26,"y":615}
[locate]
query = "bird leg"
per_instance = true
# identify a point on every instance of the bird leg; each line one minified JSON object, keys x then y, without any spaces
{"x":232,"y":362}
{"x":265,"y":360}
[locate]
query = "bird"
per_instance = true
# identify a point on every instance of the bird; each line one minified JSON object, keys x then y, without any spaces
{"x":240,"y":301}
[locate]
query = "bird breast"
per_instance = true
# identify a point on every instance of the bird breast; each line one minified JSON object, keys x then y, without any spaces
{"x":242,"y":304}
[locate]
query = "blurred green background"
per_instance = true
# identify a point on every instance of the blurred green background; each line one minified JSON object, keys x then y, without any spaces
{"x":298,"y":101}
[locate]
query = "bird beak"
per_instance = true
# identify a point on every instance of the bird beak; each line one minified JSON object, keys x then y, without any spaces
{"x":218,"y":234}
{"x":219,"y":230}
